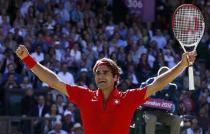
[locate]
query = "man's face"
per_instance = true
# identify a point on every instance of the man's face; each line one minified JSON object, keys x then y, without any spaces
{"x":104,"y":78}
{"x":41,"y":100}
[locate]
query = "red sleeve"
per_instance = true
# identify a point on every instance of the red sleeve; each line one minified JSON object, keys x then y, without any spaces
{"x":77,"y":94}
{"x":136,"y":97}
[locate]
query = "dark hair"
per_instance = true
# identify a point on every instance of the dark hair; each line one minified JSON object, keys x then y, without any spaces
{"x":116,"y":70}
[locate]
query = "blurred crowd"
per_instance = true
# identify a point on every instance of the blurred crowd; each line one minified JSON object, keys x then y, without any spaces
{"x":68,"y":36}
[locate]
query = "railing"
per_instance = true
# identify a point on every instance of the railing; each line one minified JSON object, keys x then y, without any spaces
{"x":13,"y":124}
{"x":12,"y":100}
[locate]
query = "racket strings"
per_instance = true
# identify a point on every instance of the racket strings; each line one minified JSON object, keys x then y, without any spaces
{"x":188,"y":25}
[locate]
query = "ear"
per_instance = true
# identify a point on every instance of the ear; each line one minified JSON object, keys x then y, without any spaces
{"x":116,"y":78}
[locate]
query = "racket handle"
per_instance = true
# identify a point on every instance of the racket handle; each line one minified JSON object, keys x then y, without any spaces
{"x":191,"y":78}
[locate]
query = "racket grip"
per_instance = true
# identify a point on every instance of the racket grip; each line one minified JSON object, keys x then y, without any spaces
{"x":191,"y":78}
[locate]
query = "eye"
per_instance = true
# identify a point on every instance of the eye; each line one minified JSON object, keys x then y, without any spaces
{"x":97,"y":73}
{"x":105,"y":72}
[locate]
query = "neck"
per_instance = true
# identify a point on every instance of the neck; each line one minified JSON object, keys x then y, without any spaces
{"x":106,"y":93}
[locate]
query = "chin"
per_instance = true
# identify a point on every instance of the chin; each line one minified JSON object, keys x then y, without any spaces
{"x":101,"y":87}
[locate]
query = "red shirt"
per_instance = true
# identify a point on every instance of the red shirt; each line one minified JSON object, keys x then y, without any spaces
{"x":114,"y":117}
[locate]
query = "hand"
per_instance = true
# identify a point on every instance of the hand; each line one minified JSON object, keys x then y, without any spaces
{"x":188,"y":58}
{"x":22,"y":52}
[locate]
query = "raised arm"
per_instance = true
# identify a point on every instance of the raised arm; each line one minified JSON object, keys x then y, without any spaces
{"x":43,"y":73}
{"x":164,"y":79}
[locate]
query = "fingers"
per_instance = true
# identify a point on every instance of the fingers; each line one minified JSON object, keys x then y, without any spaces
{"x":18,"y":51}
{"x":191,"y":56}
{"x":21,"y":51}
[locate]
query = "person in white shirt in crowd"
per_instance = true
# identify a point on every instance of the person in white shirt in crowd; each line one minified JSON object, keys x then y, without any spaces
{"x":109,"y":29}
{"x":59,"y":52}
{"x":75,"y":53}
{"x":65,"y":75}
{"x":160,"y":39}
{"x":77,"y":129}
{"x":169,"y":58}
{"x":38,"y":55}
{"x":57,"y":129}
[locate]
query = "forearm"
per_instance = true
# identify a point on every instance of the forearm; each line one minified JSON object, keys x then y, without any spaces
{"x":167,"y":77}
{"x":44,"y":74}
{"x":49,"y":77}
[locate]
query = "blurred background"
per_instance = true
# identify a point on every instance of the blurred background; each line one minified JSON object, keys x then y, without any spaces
{"x":68,"y":36}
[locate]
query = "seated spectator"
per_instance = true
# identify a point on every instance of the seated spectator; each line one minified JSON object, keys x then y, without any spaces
{"x":10,"y":83}
{"x":60,"y":103}
{"x":67,"y":121}
{"x":26,"y":84}
{"x":143,"y":68}
{"x":186,"y":104}
{"x":83,"y":79}
{"x":53,"y":113}
{"x":38,"y":55}
{"x":77,"y":129}
{"x":48,"y":99}
{"x":74,"y":110}
{"x":65,"y":75}
{"x":203,"y":119}
{"x":57,"y":129}
{"x":160,"y":39}
{"x":40,"y":110}
{"x":11,"y":70}
{"x":194,"y":128}
{"x":28,"y":104}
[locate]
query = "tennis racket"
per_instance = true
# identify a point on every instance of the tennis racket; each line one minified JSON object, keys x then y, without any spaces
{"x":188,"y":26}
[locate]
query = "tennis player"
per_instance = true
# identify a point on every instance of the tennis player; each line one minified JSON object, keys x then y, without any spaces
{"x":106,"y":110}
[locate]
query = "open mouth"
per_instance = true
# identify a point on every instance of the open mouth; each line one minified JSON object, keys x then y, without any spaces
{"x":101,"y":82}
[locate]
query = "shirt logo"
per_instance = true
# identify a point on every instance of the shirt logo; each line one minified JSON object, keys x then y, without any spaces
{"x":116,"y":102}
{"x":94,"y":99}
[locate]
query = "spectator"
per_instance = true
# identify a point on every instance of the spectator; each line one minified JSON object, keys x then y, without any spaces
{"x":11,"y":70}
{"x":77,"y":129}
{"x":160,"y":39}
{"x":60,"y":103}
{"x":28,"y":104}
{"x":38,"y":54}
{"x":83,"y":79}
{"x":76,"y":14}
{"x":57,"y":129}
{"x":194,"y":129}
{"x":67,"y":121}
{"x":65,"y":75}
{"x":49,"y":99}
{"x":75,"y":53}
{"x":204,"y":119}
{"x":26,"y":84}
{"x":53,"y":113}
{"x":10,"y":83}
{"x":143,"y":68}
{"x":40,"y":110}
